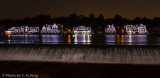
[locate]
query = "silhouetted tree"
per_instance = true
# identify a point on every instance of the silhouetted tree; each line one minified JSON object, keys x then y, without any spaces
{"x":100,"y":24}
{"x":97,"y":24}
{"x":2,"y":28}
{"x":118,"y":20}
{"x":73,"y":20}
{"x":92,"y":16}
{"x":156,"y":22}
{"x":137,"y":20}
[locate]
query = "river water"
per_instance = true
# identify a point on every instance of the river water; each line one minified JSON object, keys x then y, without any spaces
{"x":81,"y":39}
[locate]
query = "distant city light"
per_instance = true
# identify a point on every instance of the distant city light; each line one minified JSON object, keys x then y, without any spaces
{"x":122,"y":30}
{"x":69,"y":30}
{"x":8,"y":32}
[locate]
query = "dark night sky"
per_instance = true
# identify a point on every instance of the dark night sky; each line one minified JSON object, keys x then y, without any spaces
{"x":127,"y":8}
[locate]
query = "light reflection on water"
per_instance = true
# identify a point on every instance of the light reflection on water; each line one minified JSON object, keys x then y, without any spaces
{"x":23,"y":39}
{"x":80,"y":39}
{"x":126,"y":39}
{"x":69,"y":39}
{"x":110,"y":38}
{"x":136,"y":38}
{"x":52,"y":38}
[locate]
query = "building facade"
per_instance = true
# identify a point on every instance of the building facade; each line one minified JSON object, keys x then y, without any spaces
{"x":142,"y":29}
{"x":110,"y":29}
{"x":52,"y":29}
{"x":136,"y":29}
{"x":23,"y":30}
{"x":82,"y":30}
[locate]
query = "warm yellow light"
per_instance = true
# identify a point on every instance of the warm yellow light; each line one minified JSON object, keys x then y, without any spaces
{"x":9,"y":37}
{"x":122,"y":38}
{"x":48,"y":28}
{"x":69,"y":38}
{"x":122,"y":30}
{"x":69,"y":30}
{"x":8,"y":32}
{"x":118,"y":38}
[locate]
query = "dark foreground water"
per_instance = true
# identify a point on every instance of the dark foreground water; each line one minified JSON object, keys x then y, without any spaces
{"x":81,"y":39}
{"x":78,"y":70}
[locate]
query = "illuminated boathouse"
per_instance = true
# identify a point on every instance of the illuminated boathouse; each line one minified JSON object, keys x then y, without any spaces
{"x":110,"y":29}
{"x":82,"y":34}
{"x":52,"y":29}
{"x":22,"y":30}
{"x":136,"y":29}
{"x":82,"y":30}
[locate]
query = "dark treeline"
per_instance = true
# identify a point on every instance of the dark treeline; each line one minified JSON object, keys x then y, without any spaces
{"x":98,"y":24}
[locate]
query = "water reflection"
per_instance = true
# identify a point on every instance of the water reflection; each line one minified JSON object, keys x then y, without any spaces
{"x":69,"y":39}
{"x":81,"y":39}
{"x":9,"y":39}
{"x":126,"y":39}
{"x":158,"y":40}
{"x":2,"y":40}
{"x":52,"y":39}
{"x":122,"y":38}
{"x":136,"y":38}
{"x":110,"y":38}
{"x":24,"y":39}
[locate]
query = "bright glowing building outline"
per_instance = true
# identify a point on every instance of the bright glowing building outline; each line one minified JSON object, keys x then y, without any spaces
{"x":52,"y":29}
{"x":133,"y":29}
{"x":22,"y":30}
{"x":82,"y":30}
{"x":110,"y":29}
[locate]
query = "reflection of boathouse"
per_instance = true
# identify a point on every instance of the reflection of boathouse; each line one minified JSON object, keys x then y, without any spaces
{"x":135,"y":29}
{"x":57,"y":39}
{"x":82,"y":30}
{"x":110,"y":29}
{"x":52,"y":29}
{"x":22,"y":30}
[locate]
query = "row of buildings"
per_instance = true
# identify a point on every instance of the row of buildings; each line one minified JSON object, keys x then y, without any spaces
{"x":46,"y":29}
{"x":22,"y":30}
{"x":57,"y":29}
{"x":128,"y":29}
